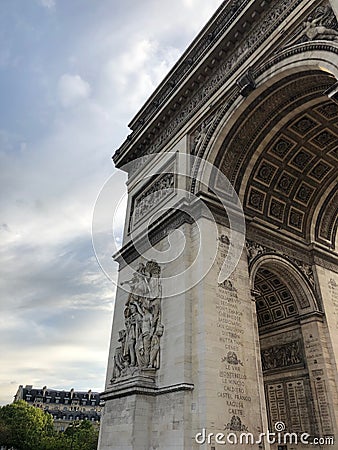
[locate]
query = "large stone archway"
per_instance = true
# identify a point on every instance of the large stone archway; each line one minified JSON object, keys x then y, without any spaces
{"x":291,"y":323}
{"x":191,"y":353}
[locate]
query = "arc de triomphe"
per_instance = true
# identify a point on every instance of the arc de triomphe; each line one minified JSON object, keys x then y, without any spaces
{"x":226,"y":314}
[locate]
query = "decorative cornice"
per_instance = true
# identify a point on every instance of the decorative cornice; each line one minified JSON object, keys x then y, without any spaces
{"x":297,"y":50}
{"x":312,"y":253}
{"x":220,"y":23}
{"x":220,"y":71}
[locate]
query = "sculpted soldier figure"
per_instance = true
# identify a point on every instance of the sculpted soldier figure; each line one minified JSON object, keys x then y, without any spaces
{"x":138,"y":285}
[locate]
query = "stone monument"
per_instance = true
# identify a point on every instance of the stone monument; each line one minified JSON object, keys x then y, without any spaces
{"x":226,"y":313}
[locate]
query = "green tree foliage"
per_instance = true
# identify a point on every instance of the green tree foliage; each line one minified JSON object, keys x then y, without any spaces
{"x":25,"y":427}
{"x":82,"y":436}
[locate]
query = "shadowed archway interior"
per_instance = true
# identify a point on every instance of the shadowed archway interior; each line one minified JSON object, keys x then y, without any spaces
{"x":287,"y":386}
{"x":282,"y":158}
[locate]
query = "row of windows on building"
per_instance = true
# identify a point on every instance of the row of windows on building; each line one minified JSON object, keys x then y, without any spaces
{"x":46,"y":407}
{"x":76,"y":417}
{"x":65,"y":401}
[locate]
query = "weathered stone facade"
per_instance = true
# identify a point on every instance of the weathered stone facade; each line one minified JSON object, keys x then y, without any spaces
{"x":255,"y":98}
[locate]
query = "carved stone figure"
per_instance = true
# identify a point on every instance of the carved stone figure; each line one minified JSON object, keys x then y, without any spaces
{"x":307,"y":271}
{"x":235,"y":424}
{"x":138,"y":285}
{"x":119,"y":361}
{"x":140,"y":341}
{"x":332,"y":283}
{"x":133,"y":330}
{"x":320,"y":25}
{"x":224,"y":239}
{"x":313,"y":29}
{"x":231,"y":358}
{"x":253,"y":249}
{"x":199,"y":136}
{"x":226,"y":284}
{"x":155,"y":348}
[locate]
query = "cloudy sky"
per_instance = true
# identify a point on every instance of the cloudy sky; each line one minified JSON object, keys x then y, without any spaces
{"x":72,"y":75}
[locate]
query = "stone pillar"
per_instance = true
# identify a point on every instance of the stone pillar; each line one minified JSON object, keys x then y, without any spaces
{"x":328,"y":336}
{"x":320,"y":372}
{"x":209,"y":380}
{"x":149,"y":407}
{"x":229,"y":394}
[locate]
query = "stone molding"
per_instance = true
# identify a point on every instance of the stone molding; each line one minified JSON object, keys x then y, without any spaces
{"x":138,"y":388}
{"x":170,"y":221}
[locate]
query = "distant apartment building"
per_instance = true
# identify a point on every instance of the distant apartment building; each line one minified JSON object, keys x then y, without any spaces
{"x":64,"y":406}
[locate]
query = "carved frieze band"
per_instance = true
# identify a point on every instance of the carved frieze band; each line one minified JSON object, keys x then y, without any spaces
{"x":139,"y":351}
{"x":254,"y":249}
{"x":281,"y":356}
{"x":150,"y":197}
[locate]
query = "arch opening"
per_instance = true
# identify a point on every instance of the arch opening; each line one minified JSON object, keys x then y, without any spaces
{"x":284,"y":304}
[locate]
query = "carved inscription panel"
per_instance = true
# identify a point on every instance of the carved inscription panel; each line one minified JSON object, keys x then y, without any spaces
{"x":333,"y":289}
{"x":288,"y":401}
{"x":322,"y":402}
{"x":235,"y":387}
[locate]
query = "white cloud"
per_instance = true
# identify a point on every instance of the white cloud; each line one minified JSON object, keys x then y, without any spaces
{"x":129,"y":77}
{"x":55,"y":302}
{"x":72,"y":89}
{"x":50,"y":4}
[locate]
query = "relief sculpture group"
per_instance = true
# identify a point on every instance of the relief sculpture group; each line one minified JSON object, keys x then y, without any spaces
{"x":140,"y":339}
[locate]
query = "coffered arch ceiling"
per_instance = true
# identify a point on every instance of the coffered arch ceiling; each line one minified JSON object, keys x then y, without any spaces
{"x":282,"y":157}
{"x":275,"y":304}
